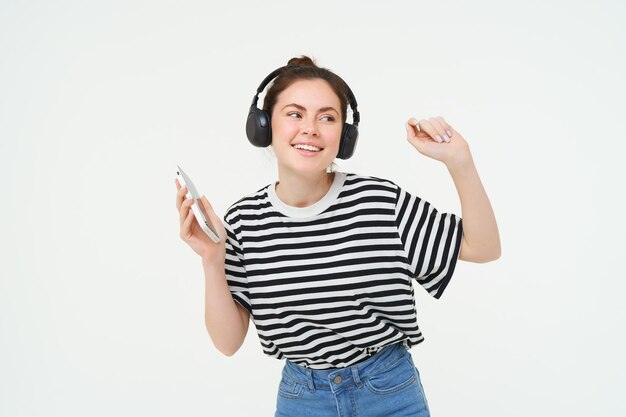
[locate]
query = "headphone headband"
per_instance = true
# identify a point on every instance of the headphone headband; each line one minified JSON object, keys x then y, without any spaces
{"x":351,"y":99}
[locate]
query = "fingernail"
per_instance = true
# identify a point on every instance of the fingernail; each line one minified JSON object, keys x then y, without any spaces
{"x":449,"y":133}
{"x":438,"y":138}
{"x":413,"y":120}
{"x":446,"y":138}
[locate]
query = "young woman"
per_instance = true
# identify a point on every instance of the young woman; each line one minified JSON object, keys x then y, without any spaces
{"x":323,"y":261}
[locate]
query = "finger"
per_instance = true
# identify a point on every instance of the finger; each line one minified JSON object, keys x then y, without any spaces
{"x":413,"y":130}
{"x":209,"y":209}
{"x":410,"y":130}
{"x":185,"y":209}
{"x":440,"y":129}
{"x":206,"y":203}
{"x":445,"y":125}
{"x":185,"y":227}
{"x":427,"y":127}
{"x":180,"y":196}
{"x":215,"y":220}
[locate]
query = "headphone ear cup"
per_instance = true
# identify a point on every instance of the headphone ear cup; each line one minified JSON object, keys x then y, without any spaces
{"x":348,"y":141}
{"x":258,"y":127}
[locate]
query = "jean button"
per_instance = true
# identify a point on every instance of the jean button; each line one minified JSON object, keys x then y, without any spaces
{"x":337,"y":379}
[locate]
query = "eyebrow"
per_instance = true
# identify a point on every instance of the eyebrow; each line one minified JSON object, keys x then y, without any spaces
{"x":302,"y":108}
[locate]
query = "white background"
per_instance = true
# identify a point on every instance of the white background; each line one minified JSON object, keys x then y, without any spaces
{"x":101,"y":303}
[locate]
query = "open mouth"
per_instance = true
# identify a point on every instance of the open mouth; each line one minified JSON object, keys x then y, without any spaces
{"x":310,"y":149}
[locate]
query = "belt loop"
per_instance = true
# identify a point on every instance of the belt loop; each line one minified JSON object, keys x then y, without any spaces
{"x":355,"y":376}
{"x":309,"y":378}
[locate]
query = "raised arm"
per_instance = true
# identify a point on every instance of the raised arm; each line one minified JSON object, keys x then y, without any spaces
{"x":436,"y":139}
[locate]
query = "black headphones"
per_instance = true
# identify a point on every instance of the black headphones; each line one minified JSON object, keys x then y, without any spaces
{"x":259,"y":128}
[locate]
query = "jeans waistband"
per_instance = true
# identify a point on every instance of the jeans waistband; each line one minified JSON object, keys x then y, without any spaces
{"x":336,"y":379}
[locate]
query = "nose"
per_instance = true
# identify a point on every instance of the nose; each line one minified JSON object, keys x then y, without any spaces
{"x":310,"y":128}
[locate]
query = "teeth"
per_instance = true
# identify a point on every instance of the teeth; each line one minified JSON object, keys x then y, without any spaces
{"x":307,"y":147}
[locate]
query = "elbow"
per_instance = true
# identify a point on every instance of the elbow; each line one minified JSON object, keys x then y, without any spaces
{"x":497,"y":253}
{"x":228,"y":352}
{"x":480,"y":257}
{"x":480,"y":253}
{"x":225,"y":347}
{"x":491,"y":256}
{"x":491,"y":253}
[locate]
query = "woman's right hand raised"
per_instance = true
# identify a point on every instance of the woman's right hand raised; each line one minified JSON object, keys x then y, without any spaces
{"x":192,"y":233}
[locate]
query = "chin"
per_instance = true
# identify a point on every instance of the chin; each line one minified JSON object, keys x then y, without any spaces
{"x":304,"y":168}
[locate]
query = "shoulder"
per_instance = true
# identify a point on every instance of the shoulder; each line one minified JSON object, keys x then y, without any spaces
{"x":370,"y":182}
{"x":252,"y":201}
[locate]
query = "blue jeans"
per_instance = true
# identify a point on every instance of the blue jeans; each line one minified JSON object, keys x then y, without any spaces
{"x":387,"y":384}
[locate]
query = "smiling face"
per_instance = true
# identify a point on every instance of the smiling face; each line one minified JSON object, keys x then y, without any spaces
{"x":306,"y":113}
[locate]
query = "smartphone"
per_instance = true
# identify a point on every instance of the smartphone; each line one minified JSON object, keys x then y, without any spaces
{"x":198,"y":209}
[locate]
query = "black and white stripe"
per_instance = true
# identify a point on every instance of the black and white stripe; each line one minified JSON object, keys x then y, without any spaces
{"x":330,"y":289}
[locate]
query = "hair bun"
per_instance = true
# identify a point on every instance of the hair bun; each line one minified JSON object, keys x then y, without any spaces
{"x":302,"y":60}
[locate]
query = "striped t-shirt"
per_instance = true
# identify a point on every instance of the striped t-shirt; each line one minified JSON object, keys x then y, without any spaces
{"x":329,"y":285}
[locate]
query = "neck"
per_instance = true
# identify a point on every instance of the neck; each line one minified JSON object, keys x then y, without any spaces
{"x":302,"y":190}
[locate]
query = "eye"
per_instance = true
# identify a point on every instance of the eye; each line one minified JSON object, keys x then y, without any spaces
{"x":330,"y":118}
{"x":289,"y":114}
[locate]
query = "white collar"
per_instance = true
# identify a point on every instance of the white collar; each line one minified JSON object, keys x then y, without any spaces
{"x":315,"y":208}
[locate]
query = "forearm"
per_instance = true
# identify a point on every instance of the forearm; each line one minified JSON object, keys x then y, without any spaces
{"x":222,"y":318}
{"x":480,"y":231}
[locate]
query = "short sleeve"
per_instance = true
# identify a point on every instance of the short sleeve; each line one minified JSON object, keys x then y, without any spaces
{"x":431,"y":240}
{"x":235,"y":268}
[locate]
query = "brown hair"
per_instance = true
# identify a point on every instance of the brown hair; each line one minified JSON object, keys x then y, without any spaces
{"x":306,"y":70}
